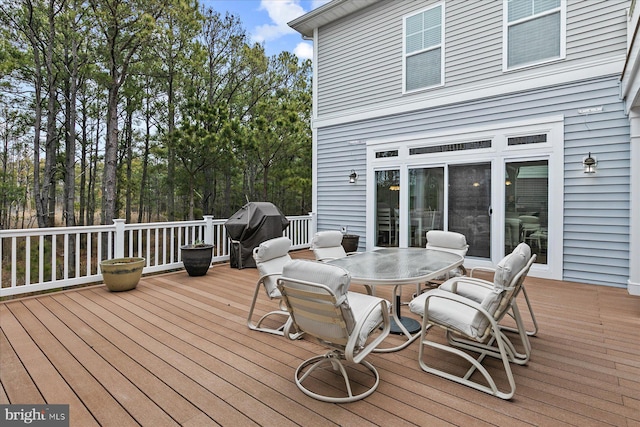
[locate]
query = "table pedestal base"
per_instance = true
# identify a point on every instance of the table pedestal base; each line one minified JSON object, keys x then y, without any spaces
{"x":412,"y":326}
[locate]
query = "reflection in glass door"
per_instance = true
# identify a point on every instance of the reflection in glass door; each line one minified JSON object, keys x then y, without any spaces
{"x":526,"y":206}
{"x":470,"y":206}
{"x":387,"y":206}
{"x":426,"y":203}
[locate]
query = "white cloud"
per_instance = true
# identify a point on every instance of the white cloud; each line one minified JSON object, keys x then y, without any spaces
{"x":280,"y":12}
{"x":304,"y":51}
{"x":317,"y":3}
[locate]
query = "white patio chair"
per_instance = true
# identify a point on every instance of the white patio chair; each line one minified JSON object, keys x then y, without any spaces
{"x":532,"y":317}
{"x":448,"y":241}
{"x":473,"y":326}
{"x":327,"y":245}
{"x":270,"y":257}
{"x":317,"y":296}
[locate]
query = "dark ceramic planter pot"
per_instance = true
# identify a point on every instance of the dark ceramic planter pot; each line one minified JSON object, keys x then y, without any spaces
{"x":197,"y":258}
{"x":122,"y":274}
{"x":350,"y":242}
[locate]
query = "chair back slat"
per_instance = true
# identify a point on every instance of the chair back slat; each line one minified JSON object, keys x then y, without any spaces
{"x":314,"y":305}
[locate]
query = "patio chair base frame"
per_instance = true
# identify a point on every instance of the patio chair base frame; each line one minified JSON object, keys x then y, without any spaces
{"x":333,"y":359}
{"x":476,"y":363}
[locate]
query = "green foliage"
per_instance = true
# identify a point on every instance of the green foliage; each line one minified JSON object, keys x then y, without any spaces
{"x":205,"y":120}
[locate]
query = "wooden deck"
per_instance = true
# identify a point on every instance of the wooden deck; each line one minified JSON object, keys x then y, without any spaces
{"x":177,"y":351}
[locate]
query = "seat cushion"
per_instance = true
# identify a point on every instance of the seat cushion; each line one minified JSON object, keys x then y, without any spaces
{"x":472,"y":290}
{"x":273,"y":248}
{"x":327,"y":245}
{"x":270,"y":257}
{"x":327,"y":239}
{"x":359,"y":303}
{"x":510,"y":266}
{"x":447,"y":241}
{"x":454,"y":315}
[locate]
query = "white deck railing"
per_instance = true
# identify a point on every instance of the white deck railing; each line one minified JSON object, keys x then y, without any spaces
{"x":35,"y":260}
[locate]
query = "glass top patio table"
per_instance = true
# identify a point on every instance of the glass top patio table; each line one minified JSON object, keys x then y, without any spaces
{"x":396,"y":267}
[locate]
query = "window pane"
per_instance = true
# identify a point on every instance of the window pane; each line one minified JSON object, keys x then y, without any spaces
{"x":526,"y":207}
{"x":423,"y":30}
{"x":519,"y":9}
{"x":534,"y":40}
{"x":432,"y":25}
{"x":426,"y":203}
{"x":423,"y":70}
{"x":414,"y":43}
{"x":388,"y":202}
{"x":432,"y":37}
{"x":540,"y":6}
{"x":414,"y":24}
{"x":469,"y":206}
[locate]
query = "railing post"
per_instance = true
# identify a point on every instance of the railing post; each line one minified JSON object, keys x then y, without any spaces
{"x":119,"y":238}
{"x":208,"y":229}
{"x":313,"y":225}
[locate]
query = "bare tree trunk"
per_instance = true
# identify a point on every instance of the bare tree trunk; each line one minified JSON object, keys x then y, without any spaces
{"x":129,"y":159}
{"x":70,"y":146}
{"x":93,"y":173}
{"x":48,"y":181}
{"x":83,"y":164}
{"x":144,"y":187}
{"x":109,"y":178}
{"x":171,"y":160}
{"x":37,"y":119}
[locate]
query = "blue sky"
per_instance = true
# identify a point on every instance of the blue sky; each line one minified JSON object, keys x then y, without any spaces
{"x":266,"y":22}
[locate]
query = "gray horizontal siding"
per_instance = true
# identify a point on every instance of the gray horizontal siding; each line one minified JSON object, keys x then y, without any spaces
{"x":596,"y":216}
{"x":359,"y":63}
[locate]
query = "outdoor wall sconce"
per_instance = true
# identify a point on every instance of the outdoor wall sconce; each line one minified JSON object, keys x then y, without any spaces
{"x":589,"y":164}
{"x":353,"y":177}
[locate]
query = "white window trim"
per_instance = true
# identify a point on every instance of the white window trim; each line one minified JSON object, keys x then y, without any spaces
{"x":404,"y":49}
{"x":498,"y":155}
{"x":505,"y":32}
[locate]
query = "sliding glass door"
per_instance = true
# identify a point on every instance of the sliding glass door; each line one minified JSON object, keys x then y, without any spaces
{"x":470,"y":206}
{"x":526,"y":206}
{"x":387,"y":207}
{"x":463,"y":205}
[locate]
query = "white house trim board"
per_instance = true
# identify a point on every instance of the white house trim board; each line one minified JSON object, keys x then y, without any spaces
{"x":633,"y":285}
{"x":498,"y":155}
{"x":445,"y":96}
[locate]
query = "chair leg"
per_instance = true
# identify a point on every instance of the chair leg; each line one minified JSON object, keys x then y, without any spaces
{"x":476,"y":364}
{"x":257,"y":326}
{"x":534,"y":331}
{"x":491,"y":349}
{"x":333,"y":359}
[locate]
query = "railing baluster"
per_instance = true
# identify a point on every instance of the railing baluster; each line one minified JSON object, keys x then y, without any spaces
{"x":65,"y":256}
{"x":14,"y":266}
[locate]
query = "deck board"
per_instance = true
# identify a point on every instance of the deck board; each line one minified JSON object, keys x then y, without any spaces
{"x":177,"y":351}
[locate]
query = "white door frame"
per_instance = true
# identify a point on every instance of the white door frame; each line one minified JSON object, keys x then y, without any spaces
{"x":498,"y":154}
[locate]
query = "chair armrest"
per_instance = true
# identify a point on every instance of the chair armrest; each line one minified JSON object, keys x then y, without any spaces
{"x":485,"y":269}
{"x":458,"y":299}
{"x":453,"y":282}
{"x":355,"y":334}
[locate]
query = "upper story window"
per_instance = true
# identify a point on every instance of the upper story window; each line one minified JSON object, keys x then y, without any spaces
{"x":423,"y":55}
{"x":534,"y":32}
